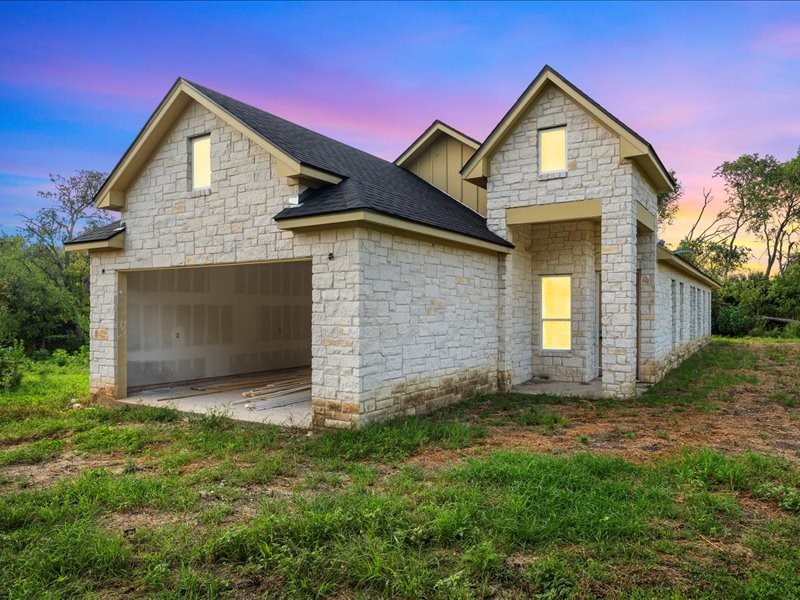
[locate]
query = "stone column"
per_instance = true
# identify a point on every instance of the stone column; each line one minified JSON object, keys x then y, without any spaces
{"x":618,"y":294}
{"x":103,"y":356}
{"x":505,"y":308}
{"x":585,"y":311}
{"x":335,"y":329}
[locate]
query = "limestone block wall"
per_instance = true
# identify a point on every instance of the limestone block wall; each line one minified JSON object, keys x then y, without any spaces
{"x":593,"y":164}
{"x":170,"y":225}
{"x":618,"y":233}
{"x":594,"y":171}
{"x":683,"y":318}
{"x":335,"y":325}
{"x":517,"y":299}
{"x":646,"y":260}
{"x":645,"y":195}
{"x":428,"y":324}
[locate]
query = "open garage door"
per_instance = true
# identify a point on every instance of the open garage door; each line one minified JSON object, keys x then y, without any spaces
{"x":198,"y":323}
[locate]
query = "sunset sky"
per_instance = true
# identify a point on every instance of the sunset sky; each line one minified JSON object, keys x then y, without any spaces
{"x":703,"y":83}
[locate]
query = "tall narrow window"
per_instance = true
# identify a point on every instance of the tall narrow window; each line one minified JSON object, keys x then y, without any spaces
{"x":552,"y":150}
{"x":201,"y":162}
{"x":557,"y":312}
{"x":681,"y":317}
{"x":674,"y":312}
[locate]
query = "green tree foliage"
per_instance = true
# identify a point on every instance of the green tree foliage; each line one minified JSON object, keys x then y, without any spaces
{"x":12,"y":365}
{"x":33,"y":308}
{"x":764,"y":197}
{"x":744,"y":299}
{"x":714,"y":257}
{"x":44,"y":291}
{"x":668,"y":201}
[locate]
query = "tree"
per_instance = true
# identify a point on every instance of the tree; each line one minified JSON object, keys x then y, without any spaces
{"x":764,"y":197}
{"x":715,"y":257}
{"x":72,"y":211}
{"x":33,"y":308}
{"x":667,"y":202}
{"x":711,"y":249}
{"x":64,"y":275}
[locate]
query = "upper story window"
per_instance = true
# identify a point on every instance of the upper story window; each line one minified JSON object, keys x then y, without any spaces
{"x":553,"y":150}
{"x":201,"y":162}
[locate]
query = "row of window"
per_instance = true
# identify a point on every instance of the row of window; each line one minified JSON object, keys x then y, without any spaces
{"x":699,"y":302}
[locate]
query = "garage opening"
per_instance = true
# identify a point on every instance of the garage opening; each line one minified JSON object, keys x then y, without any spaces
{"x":236,"y":338}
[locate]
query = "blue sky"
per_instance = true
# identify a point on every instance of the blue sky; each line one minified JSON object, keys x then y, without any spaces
{"x":702,"y":82}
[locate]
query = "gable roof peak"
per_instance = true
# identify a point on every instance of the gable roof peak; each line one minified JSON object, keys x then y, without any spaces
{"x":427,"y":137}
{"x":632,"y":145}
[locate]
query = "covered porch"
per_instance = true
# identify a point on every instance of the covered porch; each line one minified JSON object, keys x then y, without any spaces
{"x":580,"y":299}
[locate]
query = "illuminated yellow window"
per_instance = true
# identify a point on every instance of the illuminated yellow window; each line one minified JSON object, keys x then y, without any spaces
{"x":557,"y":312}
{"x":553,"y":150}
{"x":201,"y":162}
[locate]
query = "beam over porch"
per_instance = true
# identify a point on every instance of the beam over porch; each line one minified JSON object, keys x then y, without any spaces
{"x":576,"y":210}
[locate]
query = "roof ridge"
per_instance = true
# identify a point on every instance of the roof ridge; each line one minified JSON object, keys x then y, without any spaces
{"x":203,"y":89}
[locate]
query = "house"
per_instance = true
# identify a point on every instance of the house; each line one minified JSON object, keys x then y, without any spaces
{"x":247,"y":244}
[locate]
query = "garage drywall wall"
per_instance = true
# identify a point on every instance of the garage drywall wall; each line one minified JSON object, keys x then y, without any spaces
{"x":212,"y":321}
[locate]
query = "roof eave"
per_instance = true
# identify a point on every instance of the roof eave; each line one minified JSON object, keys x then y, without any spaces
{"x":115,"y":242}
{"x":666,"y":255}
{"x":376,"y":219}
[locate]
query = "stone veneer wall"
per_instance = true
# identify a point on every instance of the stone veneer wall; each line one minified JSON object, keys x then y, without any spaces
{"x":170,"y":225}
{"x":594,"y":171}
{"x":696,"y":327}
{"x":429,"y":330}
{"x":516,"y":309}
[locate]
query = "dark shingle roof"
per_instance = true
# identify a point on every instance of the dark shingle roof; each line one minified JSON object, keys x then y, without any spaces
{"x":99,"y":234}
{"x":369,"y":182}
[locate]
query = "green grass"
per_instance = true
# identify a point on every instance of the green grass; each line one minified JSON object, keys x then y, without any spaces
{"x":391,"y":441}
{"x":31,"y":454}
{"x":160,"y":506}
{"x":703,"y":379}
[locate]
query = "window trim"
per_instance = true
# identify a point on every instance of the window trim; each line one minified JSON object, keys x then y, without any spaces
{"x":542,"y":319}
{"x":192,"y":141}
{"x":539,"y":150}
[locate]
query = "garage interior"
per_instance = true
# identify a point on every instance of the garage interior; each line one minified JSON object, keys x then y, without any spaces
{"x":235,"y":339}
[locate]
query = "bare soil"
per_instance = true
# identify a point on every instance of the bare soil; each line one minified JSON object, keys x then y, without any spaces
{"x":747,"y":418}
{"x":67,"y":465}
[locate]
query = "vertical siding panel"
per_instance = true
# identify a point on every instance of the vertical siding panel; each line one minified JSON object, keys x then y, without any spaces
{"x":453,"y":166}
{"x":481,"y":199}
{"x":469,"y":193}
{"x":439,"y":160}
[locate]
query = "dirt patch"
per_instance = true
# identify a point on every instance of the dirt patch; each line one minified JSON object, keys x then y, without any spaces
{"x":127,"y":523}
{"x":747,"y":419}
{"x":67,"y":465}
{"x":752,"y":423}
{"x":430,"y":457}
